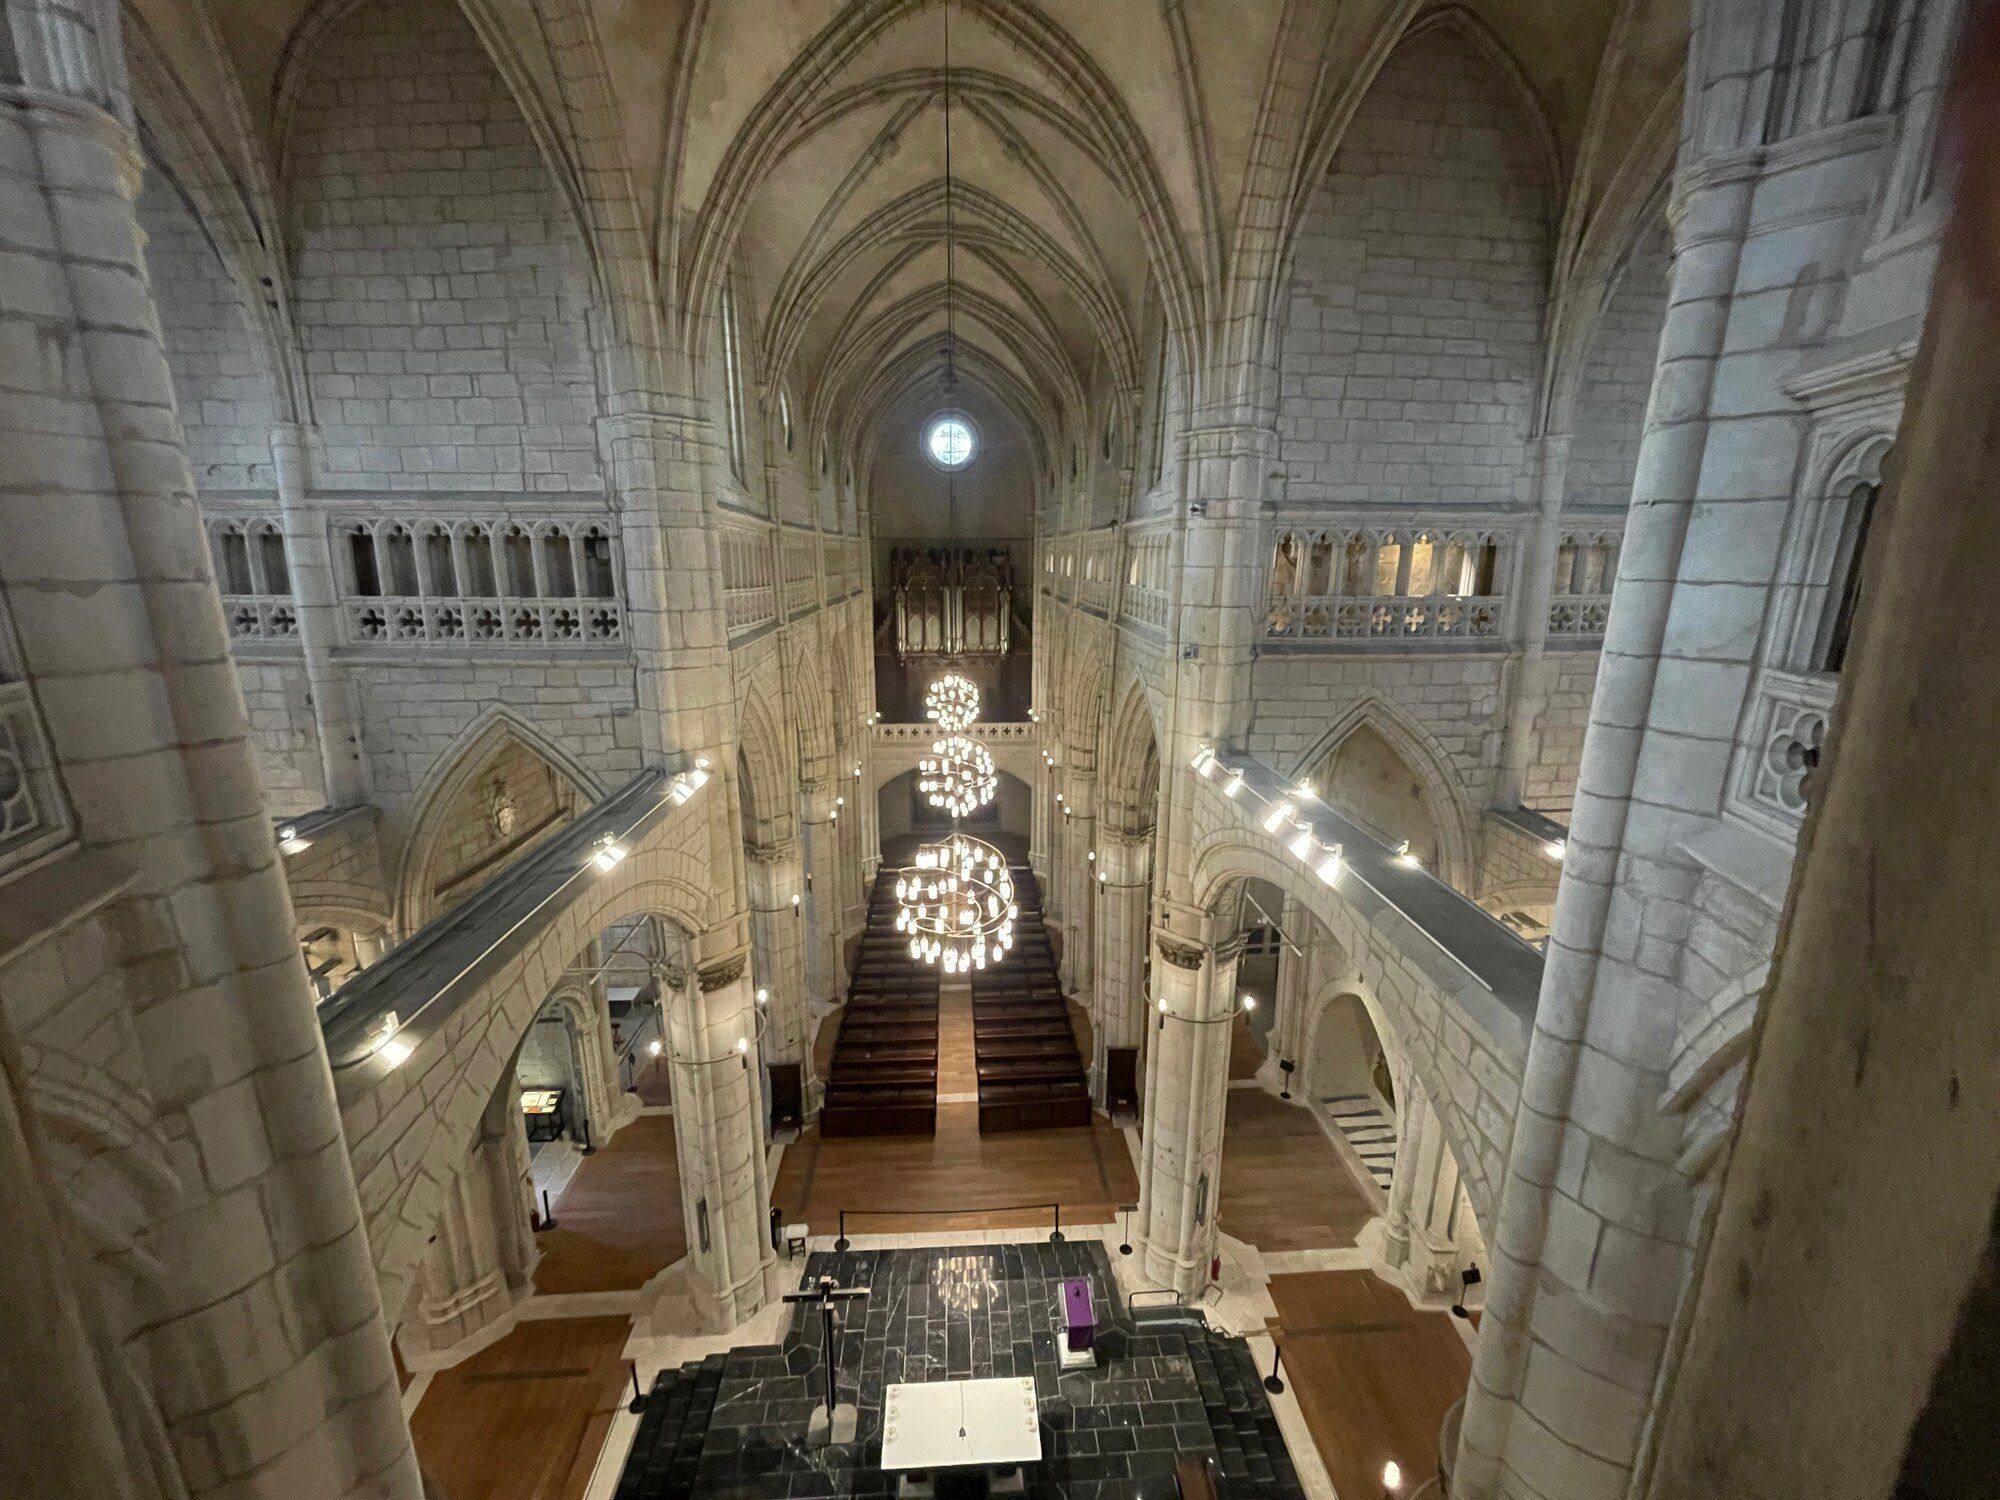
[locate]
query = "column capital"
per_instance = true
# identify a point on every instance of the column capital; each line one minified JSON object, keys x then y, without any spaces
{"x":776,"y":852}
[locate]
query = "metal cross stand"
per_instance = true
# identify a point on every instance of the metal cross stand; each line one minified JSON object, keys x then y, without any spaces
{"x":836,"y":1421}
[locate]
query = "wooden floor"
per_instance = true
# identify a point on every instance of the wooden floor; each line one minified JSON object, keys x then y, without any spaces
{"x":966,"y":1178}
{"x":524,"y":1419}
{"x":618,"y":1223}
{"x":1246,"y":1056}
{"x":958,"y":1069}
{"x":654,"y":1083}
{"x":1373,"y":1376}
{"x":1283,"y":1188}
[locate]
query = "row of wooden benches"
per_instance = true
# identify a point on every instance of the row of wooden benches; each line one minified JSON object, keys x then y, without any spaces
{"x":1030,"y":1077}
{"x":883,"y":1077}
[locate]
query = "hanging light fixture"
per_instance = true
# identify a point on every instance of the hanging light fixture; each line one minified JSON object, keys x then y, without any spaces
{"x":952,"y":703}
{"x":958,"y":776}
{"x":957,"y":905}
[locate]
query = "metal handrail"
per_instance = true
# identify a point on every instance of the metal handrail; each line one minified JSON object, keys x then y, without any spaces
{"x":1056,"y":1235}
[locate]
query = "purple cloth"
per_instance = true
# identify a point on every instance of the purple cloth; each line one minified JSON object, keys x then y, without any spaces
{"x":1078,"y":1317}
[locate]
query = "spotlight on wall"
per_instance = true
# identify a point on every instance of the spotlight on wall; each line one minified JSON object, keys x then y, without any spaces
{"x":1249,"y":1001}
{"x":1204,"y":761}
{"x":1329,"y":868}
{"x":763,"y":996}
{"x":1302,"y":845}
{"x":1235,"y":784}
{"x":290,"y":842}
{"x":1405,"y":857}
{"x":1392,"y":1477}
{"x":608,"y":853}
{"x":1555,"y":849}
{"x":1279,"y":815}
{"x":742,"y":1046}
{"x":1307,"y":791}
{"x":655,"y":1047}
{"x":795,"y":900}
{"x":390,"y":1047}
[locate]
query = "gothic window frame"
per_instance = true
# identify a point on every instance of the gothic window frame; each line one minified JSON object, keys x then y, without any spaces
{"x":35,"y":817}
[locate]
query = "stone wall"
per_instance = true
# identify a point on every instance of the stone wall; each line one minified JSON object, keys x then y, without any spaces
{"x":442,"y":297}
{"x":1617,"y":377}
{"x":221,"y":381}
{"x":1412,"y":336}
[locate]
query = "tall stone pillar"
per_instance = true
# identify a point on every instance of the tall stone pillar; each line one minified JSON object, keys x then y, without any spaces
{"x":1413,"y":1121}
{"x":778,"y":946}
{"x":316,"y":598}
{"x":1187,"y":1088}
{"x":1079,"y":876}
{"x":1124,"y":899}
{"x":826,"y":975}
{"x":106,"y":573}
{"x":719,"y":1139}
{"x":1529,"y":684}
{"x":1580,"y":1298}
{"x":1299,"y":964}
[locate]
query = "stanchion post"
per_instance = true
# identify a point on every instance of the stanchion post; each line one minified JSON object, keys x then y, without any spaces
{"x":638,"y":1401}
{"x":548,"y":1213}
{"x":1056,"y":1234}
{"x":1272,"y":1382}
{"x":1124,"y":1239}
{"x":843,"y":1242}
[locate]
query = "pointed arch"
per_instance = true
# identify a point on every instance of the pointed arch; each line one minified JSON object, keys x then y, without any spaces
{"x":451,"y":775}
{"x":1129,"y":764}
{"x":765,"y":767}
{"x":1451,"y":809}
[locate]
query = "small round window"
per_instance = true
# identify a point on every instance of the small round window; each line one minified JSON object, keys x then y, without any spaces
{"x":949,"y":441}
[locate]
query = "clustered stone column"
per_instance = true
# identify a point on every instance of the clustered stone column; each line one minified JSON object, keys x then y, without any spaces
{"x":1187,"y":1086}
{"x":1583,"y":1287}
{"x":826,"y":976}
{"x":261,"y":1346}
{"x":1298,"y":974}
{"x":481,"y":1259}
{"x":1529,"y":682}
{"x":1078,"y":873}
{"x":778,"y":941}
{"x":1427,"y":1236}
{"x":315,"y":598}
{"x":1124,"y":899}
{"x":719,"y":1139}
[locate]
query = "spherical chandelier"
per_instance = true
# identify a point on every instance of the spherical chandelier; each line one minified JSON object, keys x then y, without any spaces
{"x":952,"y":703}
{"x":958,"y":776}
{"x":957,"y":904}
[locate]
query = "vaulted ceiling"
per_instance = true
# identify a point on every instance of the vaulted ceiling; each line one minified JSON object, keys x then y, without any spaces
{"x":1113,"y":161}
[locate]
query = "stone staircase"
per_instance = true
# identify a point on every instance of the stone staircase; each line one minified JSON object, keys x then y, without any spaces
{"x":1371,"y":1133}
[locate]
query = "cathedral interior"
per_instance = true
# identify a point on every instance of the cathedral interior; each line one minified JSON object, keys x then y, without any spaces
{"x":925,"y":748}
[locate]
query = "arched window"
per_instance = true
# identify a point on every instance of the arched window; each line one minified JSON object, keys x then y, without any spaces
{"x":1836,"y":626}
{"x":361,"y":562}
{"x":732,"y":376}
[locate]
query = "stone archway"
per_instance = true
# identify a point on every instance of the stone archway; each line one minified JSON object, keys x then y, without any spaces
{"x":1385,"y":743}
{"x":1453,"y":1039}
{"x":501,"y":790}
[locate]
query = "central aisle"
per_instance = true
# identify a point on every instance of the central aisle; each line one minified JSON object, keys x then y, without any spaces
{"x":960,"y":1178}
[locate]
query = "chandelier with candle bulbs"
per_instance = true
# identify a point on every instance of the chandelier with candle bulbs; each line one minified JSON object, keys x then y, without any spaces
{"x":958,"y":775}
{"x":952,"y":703}
{"x":957,"y":904}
